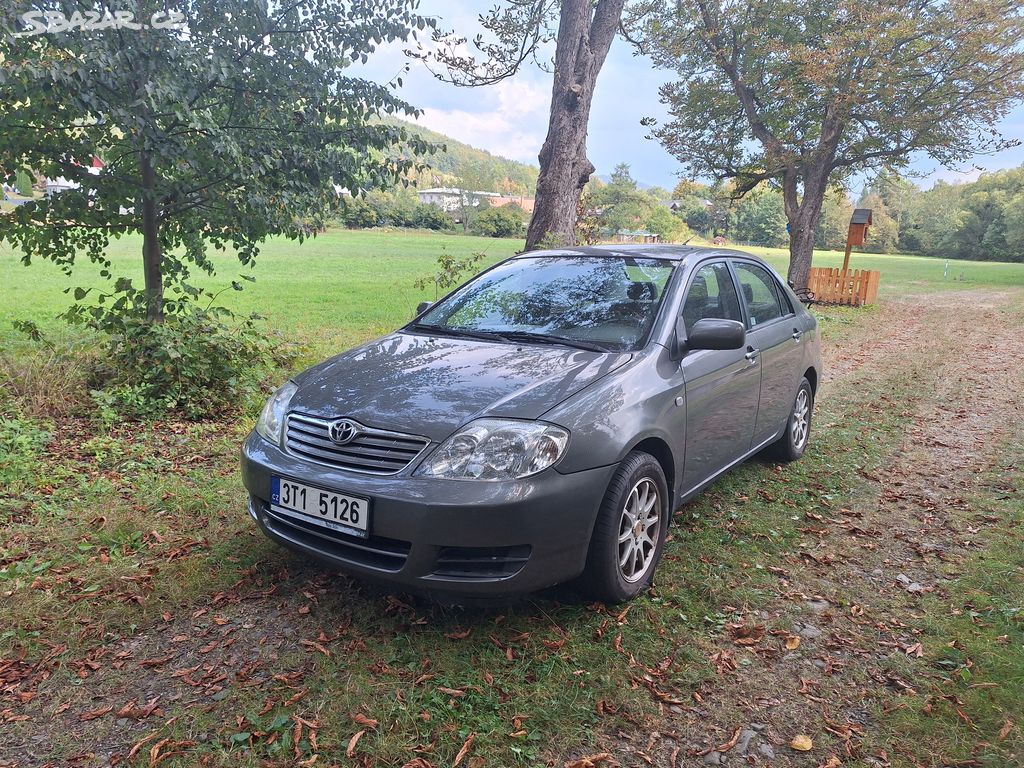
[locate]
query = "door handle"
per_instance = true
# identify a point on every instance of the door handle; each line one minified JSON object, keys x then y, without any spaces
{"x":796,"y":334}
{"x":752,"y":354}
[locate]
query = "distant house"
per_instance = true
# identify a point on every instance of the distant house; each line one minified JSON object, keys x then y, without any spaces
{"x":60,"y":184}
{"x":526,"y":203}
{"x":450,"y":199}
{"x":635,"y":236}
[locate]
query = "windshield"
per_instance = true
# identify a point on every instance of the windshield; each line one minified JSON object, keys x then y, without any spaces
{"x":604,"y":302}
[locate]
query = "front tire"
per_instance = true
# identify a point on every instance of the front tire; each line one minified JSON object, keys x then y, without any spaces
{"x":793,"y":442}
{"x":629,"y":534}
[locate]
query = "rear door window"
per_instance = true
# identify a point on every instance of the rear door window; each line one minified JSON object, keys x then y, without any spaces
{"x":760,"y":294}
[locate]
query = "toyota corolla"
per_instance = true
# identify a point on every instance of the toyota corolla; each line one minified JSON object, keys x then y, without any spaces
{"x":540,"y":423}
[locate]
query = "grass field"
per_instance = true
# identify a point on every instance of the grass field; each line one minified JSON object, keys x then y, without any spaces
{"x":346,"y":286}
{"x":145,"y":621}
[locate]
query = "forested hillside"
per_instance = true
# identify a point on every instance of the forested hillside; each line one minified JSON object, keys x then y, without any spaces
{"x":465,"y":166}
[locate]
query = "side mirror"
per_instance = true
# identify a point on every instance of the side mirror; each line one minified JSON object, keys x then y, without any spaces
{"x":712,"y":333}
{"x":423,"y":306}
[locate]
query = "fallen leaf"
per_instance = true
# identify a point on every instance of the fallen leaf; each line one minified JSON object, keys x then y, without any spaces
{"x":465,"y":749}
{"x":792,"y":642}
{"x":731,"y":742}
{"x":360,"y":719}
{"x":832,"y":762}
{"x":96,"y":713}
{"x":802,"y":743}
{"x":1005,"y":730}
{"x":745,"y":634}
{"x":459,"y":635}
{"x":351,"y":751}
{"x":590,"y":760}
{"x":451,"y":691}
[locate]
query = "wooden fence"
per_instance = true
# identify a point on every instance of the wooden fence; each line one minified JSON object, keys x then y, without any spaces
{"x":855,"y":287}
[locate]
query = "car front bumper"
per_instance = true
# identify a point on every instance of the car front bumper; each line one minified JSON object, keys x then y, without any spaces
{"x":444,"y":536}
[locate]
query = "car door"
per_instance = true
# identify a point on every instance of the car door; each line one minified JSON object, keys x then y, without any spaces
{"x":774,"y":336}
{"x":721,"y":386}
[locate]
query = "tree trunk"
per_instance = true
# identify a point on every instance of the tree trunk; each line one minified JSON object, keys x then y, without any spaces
{"x":152,"y":254}
{"x":803,"y":216}
{"x":585,"y":34}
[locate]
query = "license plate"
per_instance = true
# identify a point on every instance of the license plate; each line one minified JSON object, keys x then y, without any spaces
{"x":329,"y":509}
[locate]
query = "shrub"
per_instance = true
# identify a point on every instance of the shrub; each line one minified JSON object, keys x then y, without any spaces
{"x":358,"y":214}
{"x":430,"y":216}
{"x":505,"y":221}
{"x":23,"y":183}
{"x":450,"y":271}
{"x":195,"y":363}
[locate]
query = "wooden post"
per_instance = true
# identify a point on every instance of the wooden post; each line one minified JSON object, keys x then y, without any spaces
{"x":846,"y":258}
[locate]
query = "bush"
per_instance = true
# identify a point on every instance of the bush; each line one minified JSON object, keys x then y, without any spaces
{"x":358,"y":214}
{"x":194,"y":363}
{"x":505,"y":221}
{"x":429,"y":216}
{"x":23,"y":183}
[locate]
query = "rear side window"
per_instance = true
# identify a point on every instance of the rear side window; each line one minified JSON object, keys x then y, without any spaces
{"x":712,"y":294}
{"x":760,"y":293}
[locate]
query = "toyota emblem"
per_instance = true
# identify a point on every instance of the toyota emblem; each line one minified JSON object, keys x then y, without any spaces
{"x":343,"y":431}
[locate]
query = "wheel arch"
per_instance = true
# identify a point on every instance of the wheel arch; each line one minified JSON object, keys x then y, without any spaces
{"x":662,"y":452}
{"x":812,"y":377}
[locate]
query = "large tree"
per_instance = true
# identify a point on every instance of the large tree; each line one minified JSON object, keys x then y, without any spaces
{"x":804,"y":93}
{"x":238,"y":125}
{"x":518,"y":32}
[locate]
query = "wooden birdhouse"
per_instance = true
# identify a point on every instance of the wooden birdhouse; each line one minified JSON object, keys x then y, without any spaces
{"x":859,"y":223}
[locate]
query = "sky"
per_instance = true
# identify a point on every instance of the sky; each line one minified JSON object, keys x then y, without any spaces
{"x":510,"y":118}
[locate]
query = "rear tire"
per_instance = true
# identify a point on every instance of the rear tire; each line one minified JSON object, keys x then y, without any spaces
{"x":793,"y":442}
{"x":629,"y":533}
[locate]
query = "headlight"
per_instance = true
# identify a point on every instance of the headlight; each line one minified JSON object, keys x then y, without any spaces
{"x":497,"y":449}
{"x":271,"y":420}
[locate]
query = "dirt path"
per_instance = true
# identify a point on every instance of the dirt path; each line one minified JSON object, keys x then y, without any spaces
{"x":846,"y":597}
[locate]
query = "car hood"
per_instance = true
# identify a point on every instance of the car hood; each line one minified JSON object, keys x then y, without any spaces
{"x":431,"y":386}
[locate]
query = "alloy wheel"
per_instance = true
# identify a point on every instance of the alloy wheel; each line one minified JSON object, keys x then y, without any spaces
{"x":639,"y":530}
{"x":799,"y":422}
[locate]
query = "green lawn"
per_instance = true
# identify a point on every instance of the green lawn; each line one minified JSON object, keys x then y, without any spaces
{"x":330,"y":292}
{"x":346,"y":286}
{"x":902,"y":274}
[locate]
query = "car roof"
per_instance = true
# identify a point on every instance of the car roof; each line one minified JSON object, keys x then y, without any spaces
{"x":654,"y":251}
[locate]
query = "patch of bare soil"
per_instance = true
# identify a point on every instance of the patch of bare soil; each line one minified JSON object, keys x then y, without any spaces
{"x":803,"y":695}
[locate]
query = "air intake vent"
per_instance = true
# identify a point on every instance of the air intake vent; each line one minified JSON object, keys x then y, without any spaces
{"x":480,"y":562}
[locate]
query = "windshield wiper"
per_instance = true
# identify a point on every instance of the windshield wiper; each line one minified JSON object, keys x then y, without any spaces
{"x":444,"y":330}
{"x":547,"y":338}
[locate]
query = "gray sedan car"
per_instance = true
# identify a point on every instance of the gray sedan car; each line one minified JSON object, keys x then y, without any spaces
{"x":538,"y":424}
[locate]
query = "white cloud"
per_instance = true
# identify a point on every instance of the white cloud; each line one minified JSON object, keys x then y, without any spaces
{"x":511,"y":119}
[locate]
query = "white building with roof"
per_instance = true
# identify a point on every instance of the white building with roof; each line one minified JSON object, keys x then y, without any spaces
{"x":450,"y":199}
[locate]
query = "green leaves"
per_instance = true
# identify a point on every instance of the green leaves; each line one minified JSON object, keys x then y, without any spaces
{"x":247,"y":120}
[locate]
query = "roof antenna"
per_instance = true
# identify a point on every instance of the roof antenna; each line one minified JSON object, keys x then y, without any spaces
{"x":689,"y":239}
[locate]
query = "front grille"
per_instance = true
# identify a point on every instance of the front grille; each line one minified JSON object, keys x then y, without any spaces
{"x":480,"y":562}
{"x":374,"y":451}
{"x":375,"y":551}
